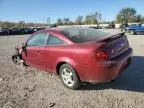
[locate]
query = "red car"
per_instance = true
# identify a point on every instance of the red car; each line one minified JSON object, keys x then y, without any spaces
{"x":77,"y":54}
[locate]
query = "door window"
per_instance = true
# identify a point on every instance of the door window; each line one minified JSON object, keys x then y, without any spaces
{"x":38,"y":39}
{"x":53,"y":40}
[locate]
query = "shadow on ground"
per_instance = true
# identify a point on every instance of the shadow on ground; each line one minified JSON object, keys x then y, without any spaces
{"x":132,"y":79}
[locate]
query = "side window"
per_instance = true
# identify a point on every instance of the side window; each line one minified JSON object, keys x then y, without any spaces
{"x":38,"y":39}
{"x":53,"y":40}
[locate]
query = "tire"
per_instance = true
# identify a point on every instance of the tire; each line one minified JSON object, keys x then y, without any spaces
{"x":131,"y":32}
{"x":15,"y":59}
{"x":69,"y":77}
{"x":18,"y":60}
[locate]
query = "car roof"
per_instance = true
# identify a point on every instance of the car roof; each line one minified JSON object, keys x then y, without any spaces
{"x":64,"y":28}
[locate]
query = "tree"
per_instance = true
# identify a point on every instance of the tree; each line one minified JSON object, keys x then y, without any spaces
{"x":30,"y":25}
{"x":71,"y":23}
{"x":79,"y":20}
{"x":94,"y":18}
{"x":21,"y":24}
{"x":0,"y":24}
{"x":98,"y":17}
{"x":7,"y":24}
{"x":126,"y":15}
{"x":59,"y":21}
{"x":90,"y":19}
{"x":139,"y":18}
{"x":48,"y":21}
{"x":66,"y":21}
{"x":87,"y":20}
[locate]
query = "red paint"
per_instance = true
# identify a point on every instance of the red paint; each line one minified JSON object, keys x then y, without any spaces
{"x":84,"y":57}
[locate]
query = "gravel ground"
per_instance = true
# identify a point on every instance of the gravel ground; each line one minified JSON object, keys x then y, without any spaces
{"x":32,"y":88}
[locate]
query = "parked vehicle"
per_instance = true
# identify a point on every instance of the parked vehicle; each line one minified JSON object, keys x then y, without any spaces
{"x":135,"y":29}
{"x":98,"y":27}
{"x":26,"y":31}
{"x":15,"y":31}
{"x":37,"y":29}
{"x":34,"y":30}
{"x":77,"y":54}
{"x":40,"y":28}
{"x":111,"y":25}
{"x":4,"y":31}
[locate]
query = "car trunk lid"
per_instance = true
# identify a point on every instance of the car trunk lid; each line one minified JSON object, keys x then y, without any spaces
{"x":115,"y":45}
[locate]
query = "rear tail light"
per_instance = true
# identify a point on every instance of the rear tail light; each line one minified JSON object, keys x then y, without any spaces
{"x":102,"y":55}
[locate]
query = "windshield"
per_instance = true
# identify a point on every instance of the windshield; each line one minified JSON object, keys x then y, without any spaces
{"x":79,"y":35}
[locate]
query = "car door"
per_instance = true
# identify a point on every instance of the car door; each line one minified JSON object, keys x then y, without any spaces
{"x":140,"y":28}
{"x":35,"y":49}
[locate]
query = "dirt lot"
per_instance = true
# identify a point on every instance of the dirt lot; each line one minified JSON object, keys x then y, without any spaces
{"x":32,"y":88}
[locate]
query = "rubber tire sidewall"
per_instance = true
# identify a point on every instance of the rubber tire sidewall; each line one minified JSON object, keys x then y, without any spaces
{"x":77,"y":81}
{"x":132,"y":32}
{"x":13,"y":57}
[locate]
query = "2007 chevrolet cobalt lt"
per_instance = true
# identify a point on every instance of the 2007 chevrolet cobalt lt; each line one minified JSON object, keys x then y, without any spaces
{"x":76,"y":54}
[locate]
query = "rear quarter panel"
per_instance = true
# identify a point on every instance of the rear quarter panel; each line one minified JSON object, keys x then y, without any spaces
{"x":56,"y":54}
{"x":76,"y":55}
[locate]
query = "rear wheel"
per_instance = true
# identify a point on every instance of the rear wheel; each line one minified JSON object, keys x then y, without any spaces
{"x":69,"y":76}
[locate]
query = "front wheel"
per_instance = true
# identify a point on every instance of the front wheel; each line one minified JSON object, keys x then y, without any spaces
{"x":18,"y":60}
{"x":131,"y":32}
{"x":69,"y":77}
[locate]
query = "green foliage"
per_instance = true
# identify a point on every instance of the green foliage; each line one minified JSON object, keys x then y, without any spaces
{"x":20,"y":24}
{"x":93,"y":18}
{"x":66,"y":21}
{"x":128,"y":15}
{"x":79,"y":20}
{"x":59,"y":21}
{"x":125,"y":16}
{"x":139,"y":18}
{"x":7,"y":24}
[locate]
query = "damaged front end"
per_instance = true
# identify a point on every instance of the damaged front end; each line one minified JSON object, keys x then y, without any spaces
{"x":17,"y":57}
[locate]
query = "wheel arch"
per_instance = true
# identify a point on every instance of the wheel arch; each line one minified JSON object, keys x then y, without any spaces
{"x":132,"y":29}
{"x":59,"y":65}
{"x":64,"y":60}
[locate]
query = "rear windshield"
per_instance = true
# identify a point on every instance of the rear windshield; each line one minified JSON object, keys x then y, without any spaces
{"x":79,"y":35}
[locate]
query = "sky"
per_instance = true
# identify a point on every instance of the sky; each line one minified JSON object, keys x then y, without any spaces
{"x":38,"y":11}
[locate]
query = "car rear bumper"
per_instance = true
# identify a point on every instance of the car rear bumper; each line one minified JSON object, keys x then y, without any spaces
{"x":108,"y":70}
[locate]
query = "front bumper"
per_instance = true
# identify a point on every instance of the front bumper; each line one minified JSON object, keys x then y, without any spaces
{"x":107,"y":70}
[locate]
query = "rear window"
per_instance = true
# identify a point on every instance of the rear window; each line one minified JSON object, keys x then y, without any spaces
{"x":79,"y":35}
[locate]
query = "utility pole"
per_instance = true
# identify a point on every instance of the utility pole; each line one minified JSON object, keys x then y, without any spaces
{"x":43,"y":21}
{"x":48,"y":21}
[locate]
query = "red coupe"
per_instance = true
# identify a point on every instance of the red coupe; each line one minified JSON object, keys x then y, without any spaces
{"x":77,"y":54}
